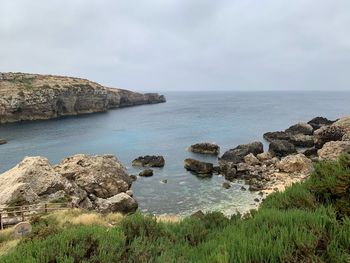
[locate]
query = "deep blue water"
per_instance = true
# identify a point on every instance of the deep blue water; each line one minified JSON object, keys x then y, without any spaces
{"x":227,"y":118}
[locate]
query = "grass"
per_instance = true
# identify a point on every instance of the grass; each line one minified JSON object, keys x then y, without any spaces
{"x":309,"y":222}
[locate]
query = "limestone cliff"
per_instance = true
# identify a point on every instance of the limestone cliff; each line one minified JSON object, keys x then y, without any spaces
{"x":37,"y":97}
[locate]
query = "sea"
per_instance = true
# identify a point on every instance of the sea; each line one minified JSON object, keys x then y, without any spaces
{"x":168,"y":129}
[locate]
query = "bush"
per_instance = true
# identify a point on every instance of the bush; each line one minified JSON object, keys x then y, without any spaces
{"x":78,"y":244}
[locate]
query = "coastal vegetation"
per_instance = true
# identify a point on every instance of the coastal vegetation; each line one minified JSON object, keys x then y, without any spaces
{"x":309,"y":222}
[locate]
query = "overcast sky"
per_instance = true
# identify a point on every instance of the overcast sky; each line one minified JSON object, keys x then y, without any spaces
{"x":162,"y":45}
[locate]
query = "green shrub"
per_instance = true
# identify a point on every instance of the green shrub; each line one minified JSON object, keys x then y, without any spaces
{"x":78,"y":244}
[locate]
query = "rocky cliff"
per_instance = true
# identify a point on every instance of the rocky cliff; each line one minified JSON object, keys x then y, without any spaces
{"x":37,"y":97}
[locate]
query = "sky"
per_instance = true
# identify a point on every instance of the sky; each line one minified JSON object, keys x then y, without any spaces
{"x":167,"y":45}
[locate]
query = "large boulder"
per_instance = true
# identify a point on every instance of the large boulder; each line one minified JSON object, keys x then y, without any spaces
{"x":237,"y":154}
{"x":104,"y":176}
{"x":281,"y":148}
{"x":319,"y":122}
{"x":298,"y":163}
{"x":332,"y":150}
{"x":198,"y":167}
{"x":81,"y":179}
{"x":300,"y":128}
{"x":30,"y":181}
{"x":149,"y":161}
{"x":118,"y":203}
{"x":205,"y":148}
{"x":328,"y":134}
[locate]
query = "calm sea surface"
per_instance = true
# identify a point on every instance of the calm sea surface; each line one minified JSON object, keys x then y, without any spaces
{"x":227,"y":118}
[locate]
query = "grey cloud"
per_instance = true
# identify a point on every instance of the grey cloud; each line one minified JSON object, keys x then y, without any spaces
{"x":181,"y":44}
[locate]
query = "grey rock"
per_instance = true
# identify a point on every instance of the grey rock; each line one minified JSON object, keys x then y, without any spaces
{"x":198,"y":167}
{"x":318,"y":122}
{"x":205,"y":148}
{"x":281,"y":148}
{"x":300,"y":128}
{"x":149,"y":161}
{"x":146,"y":173}
{"x":236,"y":155}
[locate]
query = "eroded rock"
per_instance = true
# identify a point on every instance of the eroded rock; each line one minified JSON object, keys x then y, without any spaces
{"x":297,"y":163}
{"x":205,"y":148}
{"x":281,"y":148}
{"x":198,"y":167}
{"x":149,"y":161}
{"x":332,"y":150}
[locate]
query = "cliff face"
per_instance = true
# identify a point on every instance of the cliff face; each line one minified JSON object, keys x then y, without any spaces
{"x":38,"y":97}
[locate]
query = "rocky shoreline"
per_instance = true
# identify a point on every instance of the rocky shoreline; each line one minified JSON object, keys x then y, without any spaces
{"x":101,"y":183}
{"x":26,"y":97}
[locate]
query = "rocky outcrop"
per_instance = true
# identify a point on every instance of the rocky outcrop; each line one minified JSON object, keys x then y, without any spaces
{"x":198,"y":167}
{"x":300,"y":128}
{"x":149,"y":161}
{"x":205,"y":148}
{"x":327,"y":134}
{"x":281,"y":148}
{"x":332,"y":150}
{"x":319,"y":122}
{"x":236,"y":155}
{"x":86,"y":181}
{"x":38,"y":97}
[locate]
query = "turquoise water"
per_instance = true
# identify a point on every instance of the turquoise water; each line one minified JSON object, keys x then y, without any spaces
{"x":227,"y":118}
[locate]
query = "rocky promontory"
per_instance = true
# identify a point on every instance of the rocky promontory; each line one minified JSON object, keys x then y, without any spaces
{"x":38,"y":97}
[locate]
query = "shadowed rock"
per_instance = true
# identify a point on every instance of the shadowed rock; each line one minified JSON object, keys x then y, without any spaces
{"x":205,"y":148}
{"x":281,"y":148}
{"x":149,"y":161}
{"x":198,"y":167}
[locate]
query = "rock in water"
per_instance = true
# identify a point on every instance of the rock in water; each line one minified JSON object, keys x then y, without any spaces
{"x":205,"y":148}
{"x":298,"y":163}
{"x":237,"y":154}
{"x":226,"y":185}
{"x":332,"y":150}
{"x":300,"y":128}
{"x":281,"y":148}
{"x":37,"y":97}
{"x":2,"y":141}
{"x":149,"y":161}
{"x":146,"y":173}
{"x":199,"y":167}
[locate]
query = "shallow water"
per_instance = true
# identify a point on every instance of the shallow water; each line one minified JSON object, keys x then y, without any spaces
{"x":227,"y":118}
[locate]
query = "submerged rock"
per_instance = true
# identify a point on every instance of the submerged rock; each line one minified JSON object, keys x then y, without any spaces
{"x":149,"y":161}
{"x":226,"y":185}
{"x":205,"y":148}
{"x":198,"y":167}
{"x":281,"y":148}
{"x":2,"y":141}
{"x":146,"y":173}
